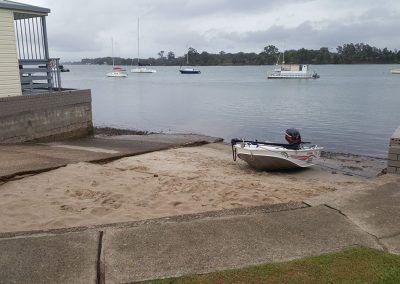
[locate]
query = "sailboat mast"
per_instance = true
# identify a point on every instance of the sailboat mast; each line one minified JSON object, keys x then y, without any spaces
{"x":112,"y":50}
{"x":138,"y":54}
{"x":279,"y":57}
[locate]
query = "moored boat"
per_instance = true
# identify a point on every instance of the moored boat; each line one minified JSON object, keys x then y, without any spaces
{"x":276,"y":156}
{"x":143,"y":70}
{"x":189,"y":71}
{"x":117,"y":72}
{"x":395,"y":71}
{"x":63,"y":69}
{"x":140,"y":69}
{"x":291,"y":71}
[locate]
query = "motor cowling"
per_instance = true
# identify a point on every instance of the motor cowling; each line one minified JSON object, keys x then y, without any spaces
{"x":293,"y":136}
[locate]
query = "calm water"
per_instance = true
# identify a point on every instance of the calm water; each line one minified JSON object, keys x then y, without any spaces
{"x":351,"y":108}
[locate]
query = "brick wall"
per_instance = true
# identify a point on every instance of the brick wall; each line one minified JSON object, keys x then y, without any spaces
{"x":48,"y":116}
{"x":394,"y":153}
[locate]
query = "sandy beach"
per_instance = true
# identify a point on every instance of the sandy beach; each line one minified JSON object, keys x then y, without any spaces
{"x":165,"y":183}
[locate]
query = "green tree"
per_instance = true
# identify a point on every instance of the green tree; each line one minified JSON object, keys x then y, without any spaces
{"x":324,"y":56}
{"x":269,"y":55}
{"x":171,"y":55}
{"x":161,"y":54}
{"x":194,"y":58}
{"x":348,"y":53}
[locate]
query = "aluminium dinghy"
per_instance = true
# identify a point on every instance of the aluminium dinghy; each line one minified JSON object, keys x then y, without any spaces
{"x":276,"y":156}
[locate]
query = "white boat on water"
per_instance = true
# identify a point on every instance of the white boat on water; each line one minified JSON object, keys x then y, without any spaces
{"x":292,"y":71}
{"x":140,"y":69}
{"x":275,"y":156}
{"x":117,"y":72}
{"x":395,"y":71}
{"x":143,"y":70}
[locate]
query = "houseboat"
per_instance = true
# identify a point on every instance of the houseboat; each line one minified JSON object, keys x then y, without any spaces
{"x":293,"y":71}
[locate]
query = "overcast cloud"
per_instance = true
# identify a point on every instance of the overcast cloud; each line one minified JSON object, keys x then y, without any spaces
{"x":79,"y":29}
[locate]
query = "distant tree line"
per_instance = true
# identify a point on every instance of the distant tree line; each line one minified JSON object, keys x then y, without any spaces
{"x":350,"y":53}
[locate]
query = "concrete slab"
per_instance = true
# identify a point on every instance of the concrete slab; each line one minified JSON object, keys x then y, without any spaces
{"x":174,"y":249}
{"x":392,"y":244}
{"x":28,"y":158}
{"x":120,"y":146}
{"x":377,"y":210}
{"x":66,"y":258}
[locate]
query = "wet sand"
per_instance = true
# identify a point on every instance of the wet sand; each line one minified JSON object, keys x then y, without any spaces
{"x":172,"y":182}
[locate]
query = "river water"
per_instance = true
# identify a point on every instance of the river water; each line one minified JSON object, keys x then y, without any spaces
{"x":351,"y":108}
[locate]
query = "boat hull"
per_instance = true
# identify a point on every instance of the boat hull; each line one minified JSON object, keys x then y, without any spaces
{"x":117,"y":74}
{"x":190,"y":71}
{"x":395,"y":71}
{"x":270,"y":163}
{"x":276,"y":158}
{"x":143,"y":70}
{"x":291,"y":77}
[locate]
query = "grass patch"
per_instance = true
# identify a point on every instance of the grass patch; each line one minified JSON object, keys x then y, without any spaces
{"x":358,"y":265}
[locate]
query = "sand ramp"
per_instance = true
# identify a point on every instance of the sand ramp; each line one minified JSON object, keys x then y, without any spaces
{"x":172,"y":182}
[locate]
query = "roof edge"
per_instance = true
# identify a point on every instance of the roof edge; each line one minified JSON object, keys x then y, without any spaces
{"x":15,"y":6}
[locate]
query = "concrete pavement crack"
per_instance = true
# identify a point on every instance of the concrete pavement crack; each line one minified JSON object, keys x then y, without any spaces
{"x":377,"y":240}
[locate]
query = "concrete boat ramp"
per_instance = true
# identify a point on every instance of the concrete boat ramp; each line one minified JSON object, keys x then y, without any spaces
{"x":31,"y":158}
{"x":187,"y":244}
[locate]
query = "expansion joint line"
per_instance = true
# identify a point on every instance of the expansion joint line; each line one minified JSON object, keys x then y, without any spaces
{"x":306,"y":204}
{"x":100,"y":265}
{"x":337,"y":210}
{"x":24,"y":174}
{"x":377,"y":240}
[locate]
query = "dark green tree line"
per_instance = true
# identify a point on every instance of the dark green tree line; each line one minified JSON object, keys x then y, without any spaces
{"x":350,"y":53}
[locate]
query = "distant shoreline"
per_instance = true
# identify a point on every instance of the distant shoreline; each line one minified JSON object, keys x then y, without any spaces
{"x":349,"y":53}
{"x":233,"y":65}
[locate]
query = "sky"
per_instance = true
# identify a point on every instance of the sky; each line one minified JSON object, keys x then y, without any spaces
{"x":87,"y":28}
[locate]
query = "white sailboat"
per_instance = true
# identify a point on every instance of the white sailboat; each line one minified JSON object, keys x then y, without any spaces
{"x":116,"y":71}
{"x":140,"y":69}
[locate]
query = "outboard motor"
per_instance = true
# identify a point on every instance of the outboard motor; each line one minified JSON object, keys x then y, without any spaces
{"x":293,"y":137}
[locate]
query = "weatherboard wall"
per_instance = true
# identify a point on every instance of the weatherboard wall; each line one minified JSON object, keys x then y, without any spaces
{"x":47,"y":116}
{"x":394,"y":153}
{"x":10,"y":82}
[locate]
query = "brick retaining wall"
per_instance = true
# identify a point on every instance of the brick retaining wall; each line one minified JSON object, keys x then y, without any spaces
{"x":394,"y":153}
{"x":47,"y":116}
